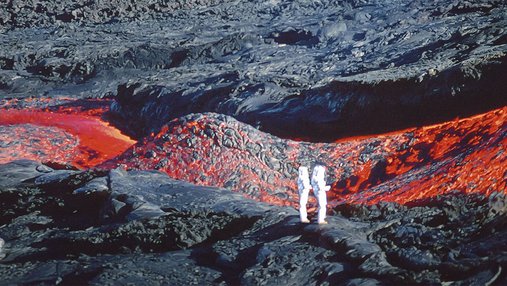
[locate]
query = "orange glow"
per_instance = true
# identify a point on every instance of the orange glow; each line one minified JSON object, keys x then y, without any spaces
{"x":97,"y":140}
{"x":466,"y":155}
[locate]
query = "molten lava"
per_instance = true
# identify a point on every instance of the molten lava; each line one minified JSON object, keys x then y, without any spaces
{"x":37,"y":142}
{"x":466,"y":155}
{"x":81,"y":140}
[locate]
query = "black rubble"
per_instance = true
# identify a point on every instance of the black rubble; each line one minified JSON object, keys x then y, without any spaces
{"x":142,"y":227}
{"x":316,"y":69}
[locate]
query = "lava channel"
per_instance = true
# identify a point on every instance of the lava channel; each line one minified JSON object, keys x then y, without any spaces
{"x":80,"y":140}
{"x":465,"y":155}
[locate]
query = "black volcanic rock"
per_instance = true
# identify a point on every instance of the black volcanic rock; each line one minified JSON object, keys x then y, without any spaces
{"x":292,"y":68}
{"x":22,"y":14}
{"x":314,"y":70}
{"x":21,"y":170}
{"x":195,"y":235}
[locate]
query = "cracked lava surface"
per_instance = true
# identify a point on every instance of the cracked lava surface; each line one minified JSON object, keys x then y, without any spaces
{"x":466,"y":155}
{"x":81,"y":140}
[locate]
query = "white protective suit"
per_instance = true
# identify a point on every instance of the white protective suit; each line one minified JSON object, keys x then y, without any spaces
{"x":319,"y":190}
{"x":2,"y":254}
{"x":304,"y":189}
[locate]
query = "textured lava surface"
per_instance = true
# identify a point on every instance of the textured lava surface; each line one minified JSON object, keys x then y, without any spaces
{"x":37,"y":142}
{"x":142,"y":227}
{"x":304,"y":69}
{"x":65,"y":134}
{"x":226,"y":99}
{"x":215,"y":150}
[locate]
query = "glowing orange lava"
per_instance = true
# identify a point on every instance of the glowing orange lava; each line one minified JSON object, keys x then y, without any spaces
{"x":97,"y":140}
{"x":466,"y":155}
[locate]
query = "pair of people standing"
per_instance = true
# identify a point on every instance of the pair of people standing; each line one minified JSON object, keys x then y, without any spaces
{"x":318,"y":184}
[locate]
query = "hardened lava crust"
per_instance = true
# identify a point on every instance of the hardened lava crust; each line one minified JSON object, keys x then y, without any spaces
{"x":157,"y":142}
{"x":142,"y":227}
{"x":300,"y":69}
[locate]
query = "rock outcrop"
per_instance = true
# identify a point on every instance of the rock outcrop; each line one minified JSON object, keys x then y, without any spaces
{"x":141,"y":227}
{"x":292,"y":68}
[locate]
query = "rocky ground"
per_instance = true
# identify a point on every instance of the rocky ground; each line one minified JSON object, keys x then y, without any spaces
{"x":141,"y":227}
{"x":217,"y":150}
{"x":214,"y":92}
{"x":305,"y":69}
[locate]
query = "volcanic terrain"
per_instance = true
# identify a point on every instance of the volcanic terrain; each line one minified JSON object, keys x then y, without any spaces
{"x":158,"y":142}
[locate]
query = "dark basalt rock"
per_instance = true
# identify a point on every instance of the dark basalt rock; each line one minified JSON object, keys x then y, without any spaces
{"x":201,"y":235}
{"x":44,"y":13}
{"x":315,"y":70}
{"x":293,"y":68}
{"x":21,"y":170}
{"x":342,"y":107}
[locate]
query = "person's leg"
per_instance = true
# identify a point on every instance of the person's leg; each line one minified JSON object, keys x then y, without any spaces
{"x":303,"y":200}
{"x":322,"y":200}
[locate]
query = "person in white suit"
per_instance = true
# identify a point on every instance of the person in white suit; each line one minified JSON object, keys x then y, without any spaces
{"x":304,"y":189}
{"x":2,"y":253}
{"x":319,"y":190}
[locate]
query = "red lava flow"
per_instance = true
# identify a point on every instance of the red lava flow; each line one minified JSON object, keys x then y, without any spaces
{"x":97,"y":140}
{"x":466,"y":155}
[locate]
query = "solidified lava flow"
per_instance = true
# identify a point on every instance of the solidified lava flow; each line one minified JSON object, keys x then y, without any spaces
{"x":79,"y":139}
{"x":224,"y":101}
{"x":465,"y":155}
